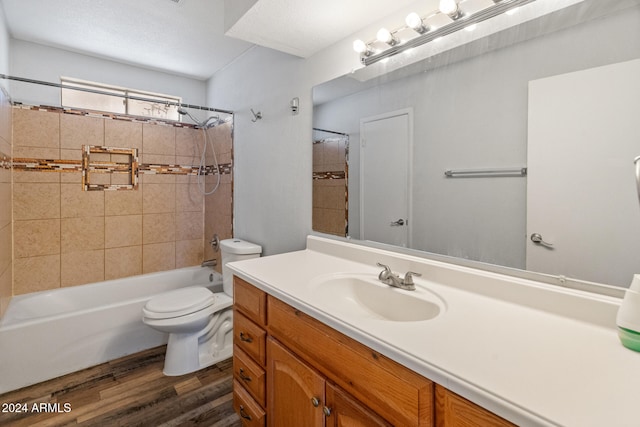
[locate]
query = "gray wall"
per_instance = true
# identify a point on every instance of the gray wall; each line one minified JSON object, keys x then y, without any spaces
{"x":35,"y":61}
{"x":473,"y":114}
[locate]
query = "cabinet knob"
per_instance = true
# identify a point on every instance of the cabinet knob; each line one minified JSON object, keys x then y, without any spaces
{"x":244,"y":414}
{"x":246,"y":338}
{"x":243,"y":377}
{"x":327,"y":411}
{"x":315,"y":401}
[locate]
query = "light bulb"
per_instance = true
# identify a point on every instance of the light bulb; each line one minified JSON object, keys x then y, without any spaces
{"x":360,"y":46}
{"x":414,"y":21}
{"x":449,"y":7}
{"x":384,"y":35}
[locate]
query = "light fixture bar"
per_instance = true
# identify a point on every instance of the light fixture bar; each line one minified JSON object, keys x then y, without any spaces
{"x":482,"y":15}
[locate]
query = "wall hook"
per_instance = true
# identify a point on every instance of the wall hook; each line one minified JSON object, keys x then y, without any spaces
{"x":256,"y":116}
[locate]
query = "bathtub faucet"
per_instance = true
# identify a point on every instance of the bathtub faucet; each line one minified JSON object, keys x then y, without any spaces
{"x":209,"y":263}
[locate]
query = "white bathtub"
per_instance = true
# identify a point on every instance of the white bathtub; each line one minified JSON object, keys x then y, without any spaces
{"x":47,"y":334}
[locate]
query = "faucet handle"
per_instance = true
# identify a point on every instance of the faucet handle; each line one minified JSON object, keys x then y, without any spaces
{"x":408,"y":277}
{"x":386,"y":273}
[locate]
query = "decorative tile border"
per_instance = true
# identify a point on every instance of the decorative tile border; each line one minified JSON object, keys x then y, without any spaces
{"x":5,"y":161}
{"x":330,"y":175}
{"x":46,"y":165}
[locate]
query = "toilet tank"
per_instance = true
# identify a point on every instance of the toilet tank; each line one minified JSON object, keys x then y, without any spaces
{"x":235,"y":250}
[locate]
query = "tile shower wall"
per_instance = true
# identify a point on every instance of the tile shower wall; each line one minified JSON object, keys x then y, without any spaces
{"x":64,"y":236}
{"x":330,"y":186}
{"x":6,"y":270}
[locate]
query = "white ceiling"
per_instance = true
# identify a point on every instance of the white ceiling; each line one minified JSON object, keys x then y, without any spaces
{"x":188,"y":37}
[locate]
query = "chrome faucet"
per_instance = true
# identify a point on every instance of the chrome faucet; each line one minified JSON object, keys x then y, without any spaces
{"x":387,"y":277}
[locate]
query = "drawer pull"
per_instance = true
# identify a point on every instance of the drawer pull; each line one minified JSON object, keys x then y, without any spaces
{"x":245,"y":338}
{"x":315,"y":402}
{"x":244,"y":414}
{"x":243,"y":377}
{"x":327,"y":411}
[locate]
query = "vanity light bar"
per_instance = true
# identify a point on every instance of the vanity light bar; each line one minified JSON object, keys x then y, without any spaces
{"x":496,"y":9}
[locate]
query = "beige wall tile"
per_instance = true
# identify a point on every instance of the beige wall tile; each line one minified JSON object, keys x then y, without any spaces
{"x":30,"y":176}
{"x":6,"y":289}
{"x":81,"y":234}
{"x":158,"y":228}
{"x":76,"y":131}
{"x":36,"y":274}
{"x":123,"y":134}
{"x":5,"y":204}
{"x":78,"y":203}
{"x":36,"y":237}
{"x":36,"y":201}
{"x":189,"y":252}
{"x":158,"y":139}
{"x":189,"y":198}
{"x":158,"y":257}
{"x":36,"y":153}
{"x":80,"y":268}
{"x":122,"y":262}
{"x":158,"y":198}
{"x":189,"y":142}
{"x":33,"y":128}
{"x":127,"y":202}
{"x":123,"y":230}
{"x":189,"y":225}
{"x":219,"y":203}
{"x":5,"y":248}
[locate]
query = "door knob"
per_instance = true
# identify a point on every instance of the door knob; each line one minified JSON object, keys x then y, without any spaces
{"x":397,"y":223}
{"x":537,"y":239}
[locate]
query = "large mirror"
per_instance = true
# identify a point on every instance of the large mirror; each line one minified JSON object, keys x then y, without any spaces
{"x":513,"y":149}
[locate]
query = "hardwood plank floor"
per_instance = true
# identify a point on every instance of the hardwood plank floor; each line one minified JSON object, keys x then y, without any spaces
{"x":131,"y":391}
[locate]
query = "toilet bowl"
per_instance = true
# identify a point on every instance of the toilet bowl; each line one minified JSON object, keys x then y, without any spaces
{"x":199,"y":322}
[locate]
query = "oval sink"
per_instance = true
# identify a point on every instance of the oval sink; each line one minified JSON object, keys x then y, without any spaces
{"x":365,"y":296}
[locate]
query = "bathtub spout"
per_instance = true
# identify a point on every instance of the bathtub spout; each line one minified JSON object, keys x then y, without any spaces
{"x":209,"y":263}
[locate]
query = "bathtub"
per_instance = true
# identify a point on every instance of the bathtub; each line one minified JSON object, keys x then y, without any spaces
{"x":47,"y":334}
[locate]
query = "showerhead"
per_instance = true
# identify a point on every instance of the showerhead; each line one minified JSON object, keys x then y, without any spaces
{"x":210,"y":122}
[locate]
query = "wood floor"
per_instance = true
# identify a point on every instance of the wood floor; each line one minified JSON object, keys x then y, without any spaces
{"x":131,"y":391}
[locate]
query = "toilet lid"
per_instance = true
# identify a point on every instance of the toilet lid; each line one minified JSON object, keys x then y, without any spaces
{"x":179,"y":302}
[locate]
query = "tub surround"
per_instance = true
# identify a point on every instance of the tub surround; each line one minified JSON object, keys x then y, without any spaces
{"x":6,"y":194}
{"x":65,"y":236}
{"x":534,"y":354}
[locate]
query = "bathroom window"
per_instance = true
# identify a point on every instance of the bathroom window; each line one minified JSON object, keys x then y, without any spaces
{"x":113,"y":99}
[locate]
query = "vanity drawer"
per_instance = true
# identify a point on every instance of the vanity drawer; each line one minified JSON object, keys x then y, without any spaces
{"x":249,"y":337}
{"x":250,"y":375}
{"x":250,"y":300}
{"x":398,"y":394}
{"x":250,"y":412}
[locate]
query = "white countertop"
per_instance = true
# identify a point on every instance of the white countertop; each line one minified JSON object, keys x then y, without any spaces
{"x":535,"y":354}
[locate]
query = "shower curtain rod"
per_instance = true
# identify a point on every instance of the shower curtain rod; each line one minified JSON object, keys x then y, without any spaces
{"x":101,"y":92}
{"x":331,"y":131}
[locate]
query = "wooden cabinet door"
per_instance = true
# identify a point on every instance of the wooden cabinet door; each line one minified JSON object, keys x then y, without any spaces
{"x":455,"y":411}
{"x":295,"y":392}
{"x":343,"y":410}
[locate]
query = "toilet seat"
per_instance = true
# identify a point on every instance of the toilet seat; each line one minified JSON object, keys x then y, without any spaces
{"x":179,"y":302}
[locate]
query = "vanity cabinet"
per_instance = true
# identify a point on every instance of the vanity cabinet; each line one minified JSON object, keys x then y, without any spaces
{"x":249,"y":353}
{"x":299,"y":395}
{"x":455,"y":411}
{"x":291,"y":369}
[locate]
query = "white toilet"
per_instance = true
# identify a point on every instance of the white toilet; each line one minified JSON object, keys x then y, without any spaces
{"x":199,"y":322}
